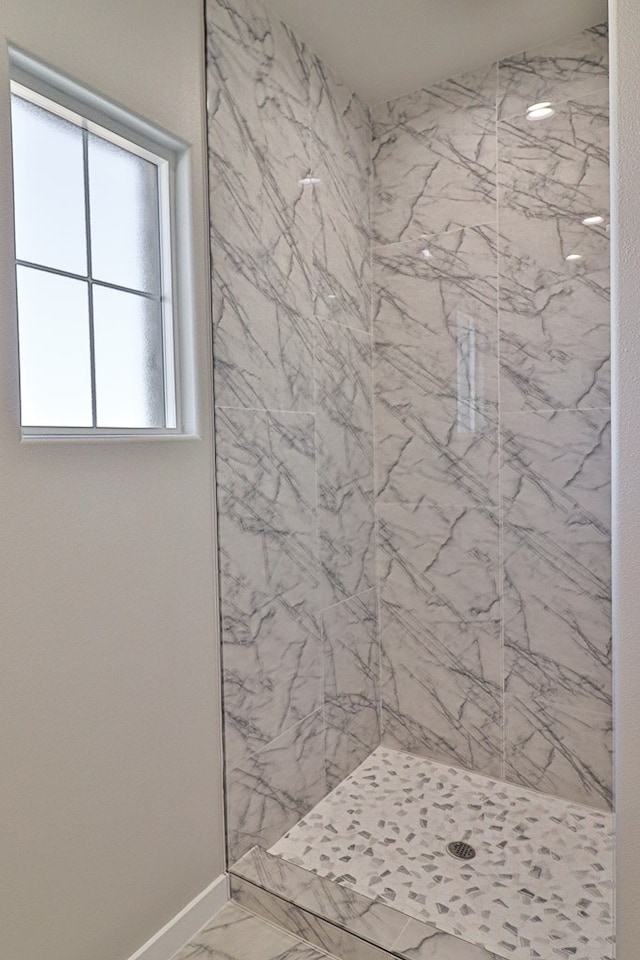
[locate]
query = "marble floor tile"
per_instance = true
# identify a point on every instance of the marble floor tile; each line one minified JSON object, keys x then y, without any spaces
{"x":236,"y":934}
{"x":422,"y":941}
{"x":555,"y":749}
{"x":448,"y":555}
{"x":351,"y":669}
{"x":434,"y":157}
{"x":540,"y":886}
{"x":440,"y":684}
{"x":269,"y":575}
{"x":557,"y":71}
{"x":271,"y":790}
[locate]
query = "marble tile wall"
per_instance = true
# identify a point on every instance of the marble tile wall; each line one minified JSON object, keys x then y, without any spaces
{"x":294,"y":420}
{"x":491,"y":356}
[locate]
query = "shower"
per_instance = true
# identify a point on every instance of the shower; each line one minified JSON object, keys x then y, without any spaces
{"x":411,"y":341}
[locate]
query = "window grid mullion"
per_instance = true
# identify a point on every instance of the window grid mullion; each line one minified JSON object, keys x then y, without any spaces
{"x":87,"y":219}
{"x":86,"y":279}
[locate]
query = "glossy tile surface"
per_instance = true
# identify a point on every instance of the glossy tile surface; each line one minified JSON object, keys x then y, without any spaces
{"x":540,"y":885}
{"x":360,"y":928}
{"x":269,"y":575}
{"x":351,"y":670}
{"x":447,"y":554}
{"x":236,"y":934}
{"x":344,"y":427}
{"x":491,"y":340}
{"x":557,"y":586}
{"x":263,"y":342}
{"x":271,"y":790}
{"x":434,"y":159}
{"x":441,"y":688}
{"x":340,"y":145}
{"x":294,"y":424}
{"x":557,"y":71}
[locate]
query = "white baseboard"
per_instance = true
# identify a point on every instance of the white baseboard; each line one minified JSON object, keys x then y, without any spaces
{"x":186,"y":924}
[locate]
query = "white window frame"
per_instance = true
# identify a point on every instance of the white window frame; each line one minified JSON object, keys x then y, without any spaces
{"x":44,"y":87}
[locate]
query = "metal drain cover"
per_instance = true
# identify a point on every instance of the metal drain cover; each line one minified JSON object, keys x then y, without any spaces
{"x":461,"y":850}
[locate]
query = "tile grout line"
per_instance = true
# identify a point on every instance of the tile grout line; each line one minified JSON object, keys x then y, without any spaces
{"x":314,"y":334}
{"x":378,"y":601}
{"x":501,"y":572}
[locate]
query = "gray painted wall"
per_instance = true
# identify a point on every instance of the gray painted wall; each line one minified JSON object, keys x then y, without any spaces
{"x":110,"y":749}
{"x":625,"y":103}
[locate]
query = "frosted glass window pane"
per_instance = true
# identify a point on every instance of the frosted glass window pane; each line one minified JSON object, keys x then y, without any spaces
{"x":125,"y":233}
{"x":55,"y":360}
{"x":129,"y":364}
{"x":48,"y":177}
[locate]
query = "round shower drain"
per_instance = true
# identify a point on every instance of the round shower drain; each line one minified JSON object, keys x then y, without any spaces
{"x":461,"y":850}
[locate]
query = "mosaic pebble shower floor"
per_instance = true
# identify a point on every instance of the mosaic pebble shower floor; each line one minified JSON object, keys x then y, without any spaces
{"x":540,"y":886}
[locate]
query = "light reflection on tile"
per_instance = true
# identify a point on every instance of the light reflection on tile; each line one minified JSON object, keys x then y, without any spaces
{"x":557,"y":71}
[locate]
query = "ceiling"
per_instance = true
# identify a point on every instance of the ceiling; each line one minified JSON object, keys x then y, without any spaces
{"x":385,"y":48}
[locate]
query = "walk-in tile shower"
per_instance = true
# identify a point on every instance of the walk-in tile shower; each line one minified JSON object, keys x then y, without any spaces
{"x":411,"y":344}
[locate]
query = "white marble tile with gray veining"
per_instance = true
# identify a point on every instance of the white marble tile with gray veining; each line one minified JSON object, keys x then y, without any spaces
{"x":271,"y":790}
{"x":314,"y":929}
{"x":436,"y":321}
{"x":236,"y":934}
{"x":422,"y":941}
{"x":258,"y":89}
{"x":436,"y":368}
{"x":344,"y":431}
{"x":557,"y":623}
{"x":344,"y":405}
{"x":559,"y":166}
{"x":558,"y":750}
{"x":456,"y":461}
{"x":441,"y":684}
{"x":346,"y":529}
{"x":554,"y":318}
{"x":557,"y":71}
{"x":269,"y":574}
{"x":555,"y":311}
{"x":447,"y":554}
{"x":557,"y":579}
{"x":362,"y":916}
{"x":556,"y":471}
{"x":340,"y":161}
{"x":351,"y":668}
{"x":341,"y":259}
{"x":434,"y":159}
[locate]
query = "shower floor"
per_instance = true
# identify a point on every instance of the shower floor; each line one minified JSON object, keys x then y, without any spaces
{"x":541,"y":884}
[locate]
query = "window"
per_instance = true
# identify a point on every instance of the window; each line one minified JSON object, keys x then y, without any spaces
{"x":93,"y":270}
